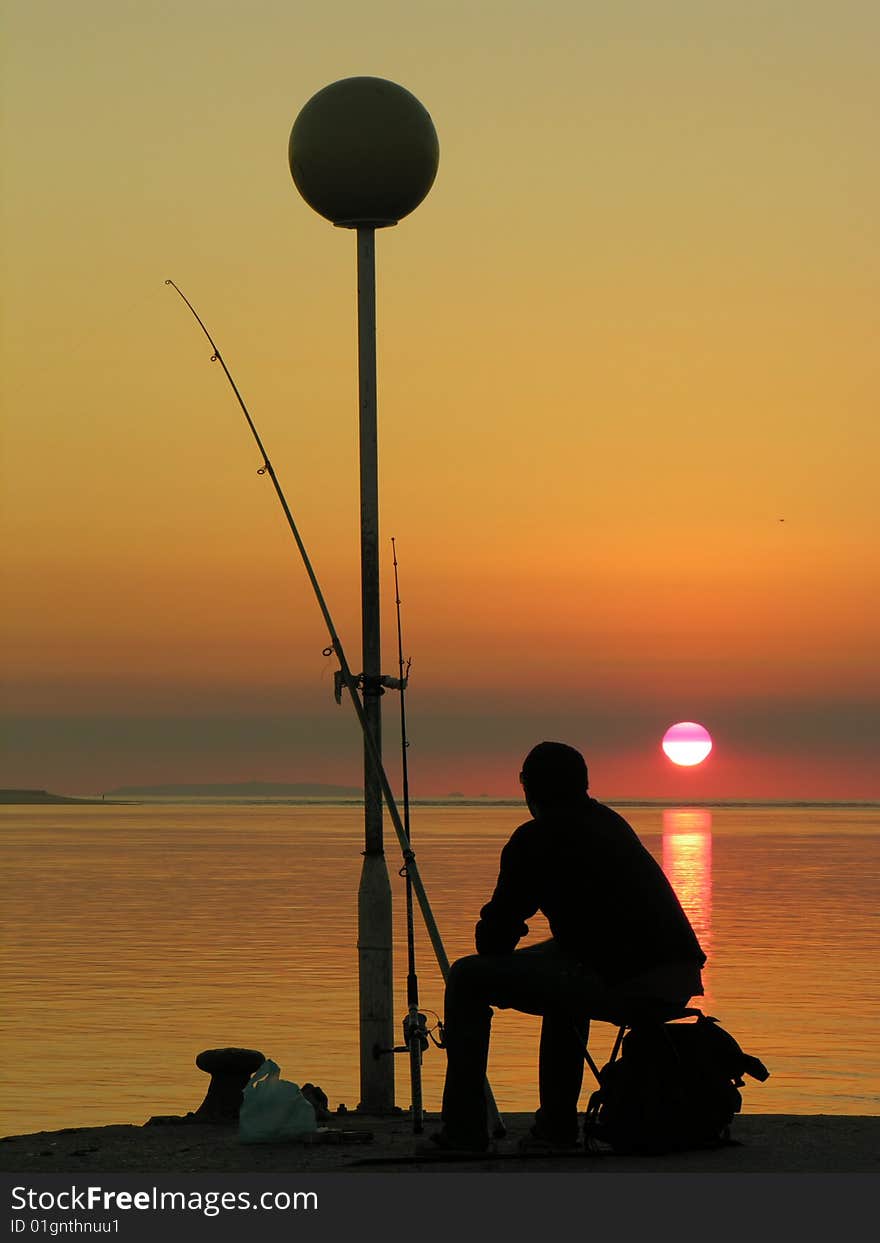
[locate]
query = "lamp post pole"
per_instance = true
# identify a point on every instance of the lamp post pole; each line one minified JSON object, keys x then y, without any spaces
{"x":364,"y":153}
{"x":375,"y":967}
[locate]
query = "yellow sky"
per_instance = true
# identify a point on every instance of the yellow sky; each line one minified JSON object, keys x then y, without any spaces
{"x":630,"y":329}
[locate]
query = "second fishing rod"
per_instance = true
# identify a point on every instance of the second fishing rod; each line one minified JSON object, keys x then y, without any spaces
{"x":415,"y":1032}
{"x":349,"y":682}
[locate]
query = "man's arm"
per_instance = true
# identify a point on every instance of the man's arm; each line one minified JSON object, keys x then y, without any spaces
{"x":502,"y":919}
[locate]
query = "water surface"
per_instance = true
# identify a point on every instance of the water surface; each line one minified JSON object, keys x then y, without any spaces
{"x":134,"y":937}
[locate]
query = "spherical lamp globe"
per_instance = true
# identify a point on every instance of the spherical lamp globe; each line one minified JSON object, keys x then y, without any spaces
{"x":363,"y":152}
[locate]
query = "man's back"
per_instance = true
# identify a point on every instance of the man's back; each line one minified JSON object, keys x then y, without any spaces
{"x":605,"y":897}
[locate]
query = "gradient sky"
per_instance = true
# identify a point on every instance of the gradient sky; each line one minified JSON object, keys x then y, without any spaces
{"x":632,"y":327}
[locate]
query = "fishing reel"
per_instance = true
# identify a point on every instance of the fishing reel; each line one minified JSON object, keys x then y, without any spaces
{"x":415,"y":1031}
{"x":368,"y":685}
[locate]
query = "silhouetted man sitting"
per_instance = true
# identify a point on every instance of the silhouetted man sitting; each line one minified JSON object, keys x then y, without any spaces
{"x":619,"y":937}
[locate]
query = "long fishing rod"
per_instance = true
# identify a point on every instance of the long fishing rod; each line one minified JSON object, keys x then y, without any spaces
{"x":350,"y":683}
{"x":415,"y":1036}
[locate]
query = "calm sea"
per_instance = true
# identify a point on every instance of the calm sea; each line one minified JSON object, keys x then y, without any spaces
{"x":134,"y":937}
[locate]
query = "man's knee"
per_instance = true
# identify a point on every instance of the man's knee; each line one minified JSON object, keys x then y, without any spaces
{"x":463,"y":974}
{"x":472,"y":983}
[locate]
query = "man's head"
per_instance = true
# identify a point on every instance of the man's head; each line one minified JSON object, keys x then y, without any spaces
{"x":553,"y":774}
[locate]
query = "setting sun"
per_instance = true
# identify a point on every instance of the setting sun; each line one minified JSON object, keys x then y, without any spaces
{"x":687,"y":743}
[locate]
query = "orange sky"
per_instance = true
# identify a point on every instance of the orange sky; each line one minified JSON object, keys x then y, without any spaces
{"x":629,"y":330}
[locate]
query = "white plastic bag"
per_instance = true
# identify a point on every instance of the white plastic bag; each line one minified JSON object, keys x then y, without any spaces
{"x":273,"y":1110}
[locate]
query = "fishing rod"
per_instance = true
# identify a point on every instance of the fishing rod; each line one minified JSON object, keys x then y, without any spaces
{"x":415,"y":1037}
{"x":350,"y":683}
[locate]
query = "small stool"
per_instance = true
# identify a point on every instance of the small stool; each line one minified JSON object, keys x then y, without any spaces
{"x":636,"y":1015}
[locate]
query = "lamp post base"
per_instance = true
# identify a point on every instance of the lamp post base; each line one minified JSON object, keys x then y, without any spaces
{"x":376,"y":980}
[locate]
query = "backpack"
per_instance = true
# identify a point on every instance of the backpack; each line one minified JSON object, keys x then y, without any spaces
{"x":674,"y":1086}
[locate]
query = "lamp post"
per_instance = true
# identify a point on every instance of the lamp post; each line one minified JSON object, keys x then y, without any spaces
{"x":363,"y":154}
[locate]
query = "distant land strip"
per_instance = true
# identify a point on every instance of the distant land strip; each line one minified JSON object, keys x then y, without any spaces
{"x":242,"y":789}
{"x":304,"y":791}
{"x":41,"y":796}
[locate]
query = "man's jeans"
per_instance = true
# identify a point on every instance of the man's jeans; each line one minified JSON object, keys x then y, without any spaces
{"x":541,"y":979}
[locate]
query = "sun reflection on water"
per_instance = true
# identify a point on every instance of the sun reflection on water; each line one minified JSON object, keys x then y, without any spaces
{"x":687,"y":861}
